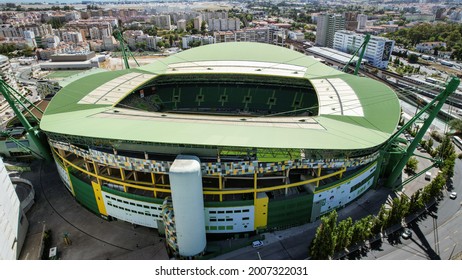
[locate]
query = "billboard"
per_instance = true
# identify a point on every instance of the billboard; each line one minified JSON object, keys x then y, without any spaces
{"x":387,"y":48}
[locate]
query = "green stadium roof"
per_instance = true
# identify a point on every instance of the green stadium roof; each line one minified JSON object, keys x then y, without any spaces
{"x":354,"y":112}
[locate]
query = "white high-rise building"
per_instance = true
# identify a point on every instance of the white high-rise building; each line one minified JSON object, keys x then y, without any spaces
{"x":13,"y":222}
{"x":29,"y":36}
{"x":95,"y":33}
{"x":378,"y":49}
{"x":234,"y":24}
{"x":162,"y":21}
{"x":72,"y":36}
{"x":198,"y":23}
{"x":181,"y":25}
{"x":224,"y":24}
{"x":362,"y":21}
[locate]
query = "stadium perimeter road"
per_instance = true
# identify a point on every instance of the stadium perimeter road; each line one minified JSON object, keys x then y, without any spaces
{"x":92,"y":237}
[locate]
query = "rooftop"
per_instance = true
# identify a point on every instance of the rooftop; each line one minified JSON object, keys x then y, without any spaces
{"x":354,"y":112}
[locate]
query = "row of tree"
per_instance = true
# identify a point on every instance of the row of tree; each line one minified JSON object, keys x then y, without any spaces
{"x":333,"y":236}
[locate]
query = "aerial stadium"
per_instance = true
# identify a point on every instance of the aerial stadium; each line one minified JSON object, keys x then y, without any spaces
{"x":226,"y":138}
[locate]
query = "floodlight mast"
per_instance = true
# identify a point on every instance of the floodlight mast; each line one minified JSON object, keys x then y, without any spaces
{"x":11,"y":96}
{"x":124,"y":48}
{"x":432,"y":109}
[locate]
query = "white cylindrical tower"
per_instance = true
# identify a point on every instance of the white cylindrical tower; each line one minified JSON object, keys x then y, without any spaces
{"x":13,"y":223}
{"x":188,"y":205}
{"x":6,"y":73}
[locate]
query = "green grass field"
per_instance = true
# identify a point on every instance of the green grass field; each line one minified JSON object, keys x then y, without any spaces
{"x":61,"y":74}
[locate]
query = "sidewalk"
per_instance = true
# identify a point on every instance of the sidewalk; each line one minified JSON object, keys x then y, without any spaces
{"x":93,"y":238}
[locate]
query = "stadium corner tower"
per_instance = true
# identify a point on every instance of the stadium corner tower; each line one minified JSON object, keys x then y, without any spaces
{"x":224,"y":138}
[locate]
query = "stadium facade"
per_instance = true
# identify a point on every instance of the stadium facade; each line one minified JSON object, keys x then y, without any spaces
{"x":277,"y":138}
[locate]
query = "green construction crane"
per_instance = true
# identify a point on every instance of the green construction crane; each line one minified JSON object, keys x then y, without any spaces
{"x":432,"y":108}
{"x":124,"y":47}
{"x":360,"y":57}
{"x":14,"y":98}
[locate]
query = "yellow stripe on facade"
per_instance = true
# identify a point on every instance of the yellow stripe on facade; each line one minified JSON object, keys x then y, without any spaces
{"x":261,"y":211}
{"x":99,"y":197}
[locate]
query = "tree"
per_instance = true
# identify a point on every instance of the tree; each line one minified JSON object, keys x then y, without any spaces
{"x":160,"y":44}
{"x":344,"y":233}
{"x":56,"y":22}
{"x":411,"y":165}
{"x":429,"y":145}
{"x":415,"y":202}
{"x":446,"y":148}
{"x":324,"y":242}
{"x":399,"y":209}
{"x":453,"y":38}
{"x":190,"y":25}
{"x":152,"y":31}
{"x":28,"y":51}
{"x":195,"y":43}
{"x":456,"y":125}
{"x":381,"y":220}
{"x":310,"y":36}
{"x":448,"y":166}
{"x":203,"y":26}
{"x":141,"y":45}
{"x":412,"y":58}
{"x":361,"y":230}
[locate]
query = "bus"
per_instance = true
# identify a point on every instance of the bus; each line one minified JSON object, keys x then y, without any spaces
{"x":457,"y":141}
{"x":446,"y":63}
{"x":431,"y":80}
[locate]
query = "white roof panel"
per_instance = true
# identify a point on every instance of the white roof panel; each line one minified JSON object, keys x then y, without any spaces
{"x":244,"y":67}
{"x":336,"y":97}
{"x":112,"y":91}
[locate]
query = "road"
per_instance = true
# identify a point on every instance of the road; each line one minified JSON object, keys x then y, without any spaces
{"x":438,"y":236}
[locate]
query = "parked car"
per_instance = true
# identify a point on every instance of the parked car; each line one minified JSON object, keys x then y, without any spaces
{"x":453,"y":195}
{"x":407,"y":233}
{"x":257,"y":243}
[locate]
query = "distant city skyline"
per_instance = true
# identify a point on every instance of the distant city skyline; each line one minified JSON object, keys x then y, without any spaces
{"x":80,"y":1}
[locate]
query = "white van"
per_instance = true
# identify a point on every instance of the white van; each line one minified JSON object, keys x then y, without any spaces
{"x":428,"y":176}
